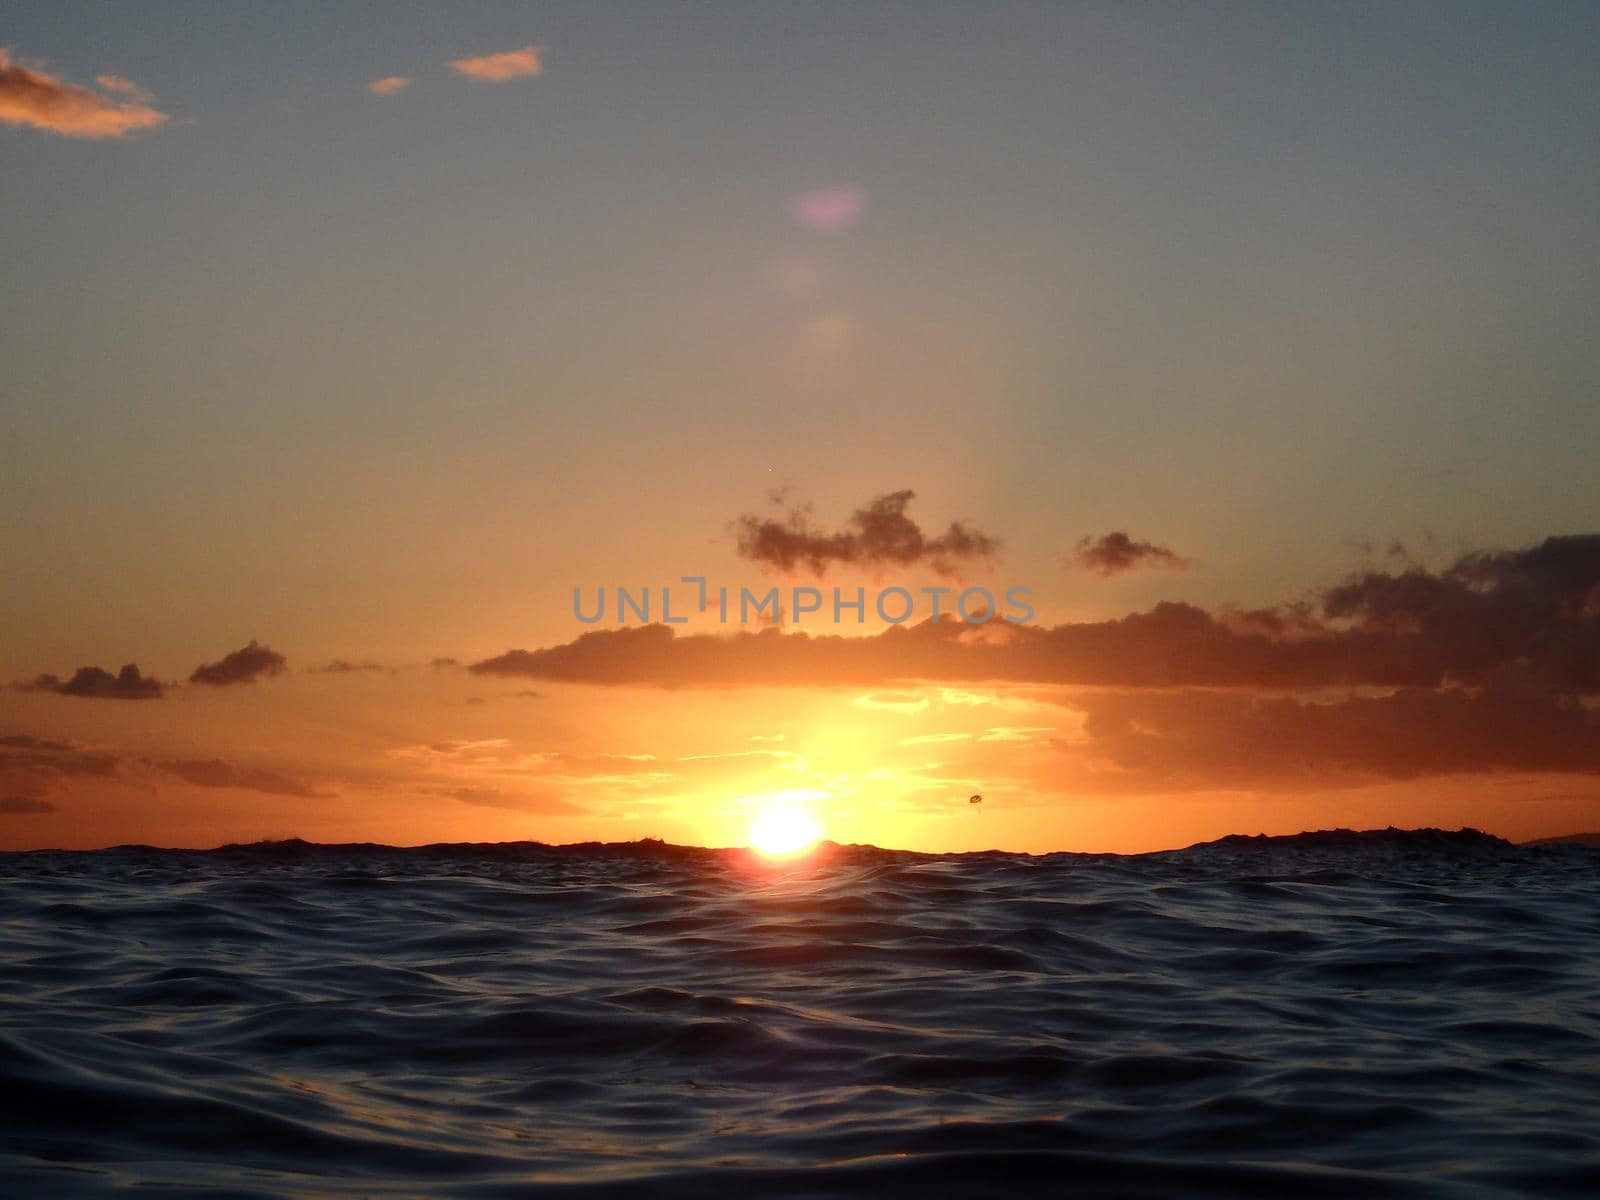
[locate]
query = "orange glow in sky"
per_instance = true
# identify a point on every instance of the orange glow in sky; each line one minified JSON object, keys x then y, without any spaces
{"x":784,"y":832}
{"x":341,"y":554}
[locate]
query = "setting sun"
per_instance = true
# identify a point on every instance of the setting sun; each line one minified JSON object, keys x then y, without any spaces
{"x":784,"y":833}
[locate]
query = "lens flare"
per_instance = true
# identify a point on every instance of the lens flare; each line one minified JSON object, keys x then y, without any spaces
{"x":784,"y":833}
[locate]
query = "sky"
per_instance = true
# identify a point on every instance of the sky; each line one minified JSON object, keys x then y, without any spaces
{"x":1254,"y":343}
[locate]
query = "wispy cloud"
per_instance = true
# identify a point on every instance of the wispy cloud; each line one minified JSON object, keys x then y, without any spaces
{"x":389,"y":85}
{"x":18,"y":806}
{"x":541,"y":801}
{"x":31,"y":766}
{"x":215,"y":773}
{"x":343,"y":666}
{"x":502,"y":67}
{"x":31,"y":97}
{"x":900,"y":702}
{"x":124,"y":87}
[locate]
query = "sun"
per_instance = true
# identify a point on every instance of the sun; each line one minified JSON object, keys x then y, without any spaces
{"x":784,"y":832}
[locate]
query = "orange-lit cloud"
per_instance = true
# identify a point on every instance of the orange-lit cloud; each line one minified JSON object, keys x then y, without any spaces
{"x":31,"y":97}
{"x":389,"y":85}
{"x":1116,"y":553}
{"x":902,"y":702}
{"x":123,"y":87}
{"x":877,"y":534}
{"x":502,"y":67}
{"x":242,"y":666}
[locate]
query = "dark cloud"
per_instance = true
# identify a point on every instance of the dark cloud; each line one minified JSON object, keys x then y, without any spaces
{"x":92,"y":683}
{"x":1117,"y":553}
{"x":1530,"y":618}
{"x":1533,"y":611}
{"x":1178,"y":740}
{"x":242,"y":666}
{"x":879,"y":534}
{"x":1172,"y":645}
{"x":214,"y":773}
{"x":1288,"y":621}
{"x":25,"y":806}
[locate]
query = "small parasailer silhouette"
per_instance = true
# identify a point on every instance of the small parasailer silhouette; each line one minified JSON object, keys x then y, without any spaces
{"x":975,"y":800}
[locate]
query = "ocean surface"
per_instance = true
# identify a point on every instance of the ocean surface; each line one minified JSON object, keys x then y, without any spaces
{"x":1337,"y":1014}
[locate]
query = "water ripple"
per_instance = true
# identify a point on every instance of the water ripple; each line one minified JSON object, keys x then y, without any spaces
{"x":1342,"y":1015}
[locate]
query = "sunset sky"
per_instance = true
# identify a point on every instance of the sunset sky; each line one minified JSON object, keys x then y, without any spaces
{"x":340,"y":344}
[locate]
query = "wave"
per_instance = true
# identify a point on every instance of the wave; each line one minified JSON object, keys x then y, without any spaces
{"x":1372,"y":1013}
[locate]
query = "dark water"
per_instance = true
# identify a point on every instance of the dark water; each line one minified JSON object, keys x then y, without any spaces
{"x":1331,"y":1015}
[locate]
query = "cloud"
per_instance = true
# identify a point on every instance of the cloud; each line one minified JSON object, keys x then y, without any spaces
{"x":30,"y":766}
{"x":900,"y":702}
{"x":341,"y":666}
{"x":1527,"y":618}
{"x":935,"y":739}
{"x":1180,"y":740}
{"x":878,"y":534}
{"x":389,"y":85}
{"x":25,"y":806}
{"x":242,"y":666}
{"x":502,"y":67}
{"x":93,"y":683}
{"x":124,"y":87}
{"x":23,"y":741}
{"x":1171,"y":645}
{"x":1534,"y":611}
{"x":31,"y":97}
{"x":544,"y":802}
{"x":214,"y":773}
{"x":1116,"y":554}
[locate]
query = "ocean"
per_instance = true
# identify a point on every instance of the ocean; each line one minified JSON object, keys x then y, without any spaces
{"x":1336,"y":1014}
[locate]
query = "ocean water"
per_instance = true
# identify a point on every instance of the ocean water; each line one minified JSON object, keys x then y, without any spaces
{"x":1349,"y":1015}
